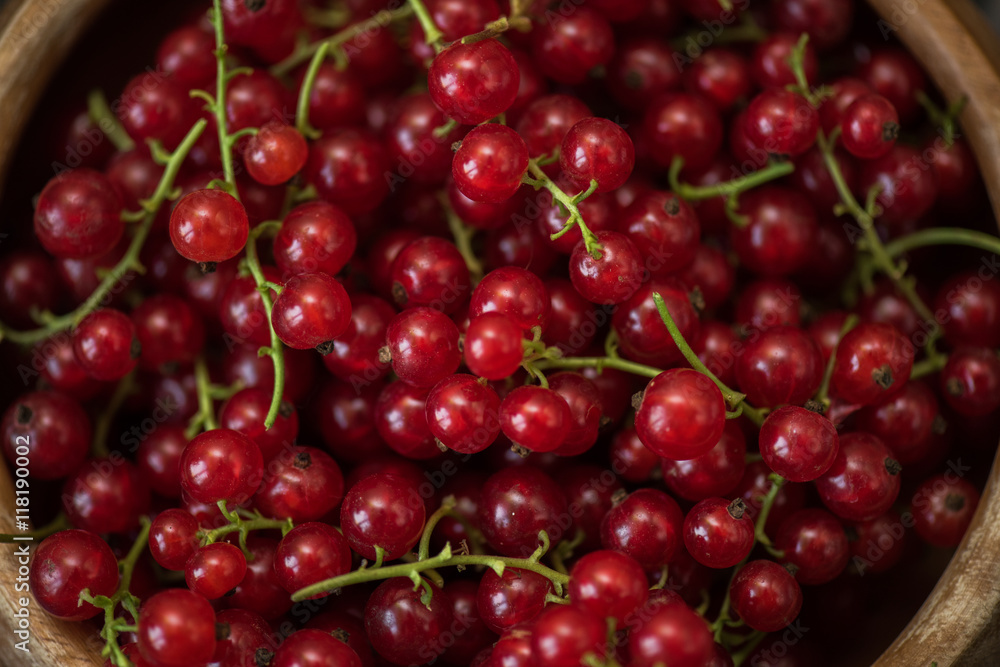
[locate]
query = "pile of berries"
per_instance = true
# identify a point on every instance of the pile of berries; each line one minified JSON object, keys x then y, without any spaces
{"x":502,"y":334}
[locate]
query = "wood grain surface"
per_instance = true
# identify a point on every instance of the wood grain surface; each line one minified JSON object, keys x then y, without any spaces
{"x":959,"y":624}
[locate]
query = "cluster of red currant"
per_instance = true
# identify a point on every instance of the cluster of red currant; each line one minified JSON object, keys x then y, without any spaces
{"x":467,"y":205}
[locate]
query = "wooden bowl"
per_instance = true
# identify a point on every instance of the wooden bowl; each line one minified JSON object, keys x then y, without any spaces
{"x":958,"y":624}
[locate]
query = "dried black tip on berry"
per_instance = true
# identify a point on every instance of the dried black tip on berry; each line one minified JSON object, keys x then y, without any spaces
{"x":135,"y":349}
{"x":792,"y":568}
{"x":672,"y":206}
{"x":882,"y":376}
{"x":954,"y":502}
{"x":520,"y":450}
{"x":399,"y":294}
{"x":285,"y":409}
{"x":618,"y":497}
{"x":697,"y":300}
{"x":302,"y":460}
{"x":737,"y":509}
{"x":893,"y":466}
{"x":440,"y":445}
{"x":815,"y":406}
{"x":939,"y":425}
{"x":221,"y":632}
{"x":633,"y":79}
{"x":890,"y":131}
{"x":637,"y":400}
{"x":604,"y":422}
{"x":954,"y":388}
{"x":206,"y":267}
{"x":852,"y":533}
{"x":262,"y":657}
{"x":384,"y":355}
{"x":325,"y":348}
{"x":23,"y":414}
{"x":342,"y":634}
{"x":254,"y":5}
{"x":170,"y":367}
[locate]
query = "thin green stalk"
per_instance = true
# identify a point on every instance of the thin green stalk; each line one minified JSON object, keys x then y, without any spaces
{"x":102,"y":116}
{"x":275,"y":350}
{"x":129,"y":262}
{"x":599,"y":363}
{"x":539,"y":179}
{"x":687,"y":192}
{"x":308,"y":83}
{"x":54,"y":526}
{"x":204,"y":419}
{"x":432,"y":34}
{"x":244,"y":527}
{"x":446,"y":509}
{"x":336,"y":42}
{"x":928,"y":366}
{"x":943,"y":236}
{"x":219,"y":107}
{"x":125,"y":387}
{"x":824,"y":387}
{"x":777,"y":481}
{"x":463,"y":235}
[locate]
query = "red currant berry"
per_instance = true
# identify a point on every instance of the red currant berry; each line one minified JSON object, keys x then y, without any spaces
{"x":493,"y":346}
{"x":643,"y":68}
{"x":585,"y":410}
{"x":535,"y":418}
{"x":893,"y":73}
{"x":314,"y":648}
{"x":463,"y":413}
{"x":215,"y":569}
{"x":246,"y":411}
{"x":67,"y":563}
{"x":765,"y":595}
{"x":401,"y":420}
{"x":209,"y":226}
{"x":869,"y":127}
{"x":79,"y":215}
{"x":568,"y":49}
{"x":311,"y":311}
{"x":814,"y":542}
{"x":664,"y":228}
{"x":714,"y":473}
{"x":155,"y":107}
{"x":173,"y":538}
{"x":515,"y":505}
{"x":515,"y":597}
{"x":430,"y":271}
{"x":563,"y":634}
{"x":770,"y":62}
{"x":168,"y":330}
{"x":546,"y":121}
{"x":275,"y":154}
{"x":768,"y":303}
{"x":720,"y":75}
{"x":971,"y":381}
{"x":674,"y":630}
{"x":781,"y":365}
{"x":631,"y":459}
{"x":403,"y":625}
{"x":310,"y":553}
{"x":303,"y":484}
{"x":517,"y":293}
{"x":971,"y":310}
{"x":106,"y":345}
{"x":780,"y":230}
{"x":718,"y":533}
{"x":382,"y":510}
{"x":423,"y":344}
{"x":355,"y":352}
{"x":177,"y":629}
{"x":943,"y":507}
{"x":187,"y":55}
{"x":827,"y":21}
{"x":105,"y":496}
{"x":260,"y":591}
{"x":474,"y":82}
{"x":613,"y":277}
{"x":646,"y":525}
{"x":348,"y":167}
{"x":641,"y":332}
{"x":683,"y":125}
{"x":609,"y":584}
{"x":51,"y":429}
{"x":489,"y":164}
{"x":906,"y":192}
{"x":681,"y":414}
{"x":596,"y":149}
{"x":798,"y":444}
{"x":905,"y":421}
{"x":26,"y":281}
{"x":221,"y":465}
{"x":781,"y":122}
{"x":159,"y":459}
{"x":873,"y":360}
{"x":863,"y":481}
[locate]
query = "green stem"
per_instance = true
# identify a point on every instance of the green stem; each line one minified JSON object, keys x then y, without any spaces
{"x":777,"y":481}
{"x":463,"y":235}
{"x":302,"y":110}
{"x":447,"y":505}
{"x":432,"y":34}
{"x":54,"y":526}
{"x":275,"y":350}
{"x":219,"y":108}
{"x":944,"y":119}
{"x":740,"y":656}
{"x":797,"y":62}
{"x":943,"y":236}
{"x":335,"y":42}
{"x":205,"y":417}
{"x":129,"y":262}
{"x":102,"y":116}
{"x":245,"y":527}
{"x":928,"y":366}
{"x":99,"y":445}
{"x":443,"y":559}
{"x":733,"y":398}
{"x":539,"y":179}
{"x":824,"y":387}
{"x":731,"y":188}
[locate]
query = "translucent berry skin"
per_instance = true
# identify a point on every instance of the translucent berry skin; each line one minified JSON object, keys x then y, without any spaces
{"x":515,"y":597}
{"x":314,"y":648}
{"x":647,"y":526}
{"x":566,"y":50}
{"x":943,"y":507}
{"x":906,"y":193}
{"x":614,"y":277}
{"x":971,"y":309}
{"x":585,"y":410}
{"x":382,"y":510}
{"x":209,"y":226}
{"x":781,"y":122}
{"x":780,"y":231}
{"x":474,"y":82}
{"x":782,"y":365}
{"x":53,"y":428}
{"x":493,"y":346}
{"x":641,"y":332}
{"x":873,"y":361}
{"x":863,"y":481}
{"x":79,"y":214}
{"x":221,"y":465}
{"x":489,"y":164}
{"x":400,"y":627}
{"x":188,"y":55}
{"x":302,"y":483}
{"x":869,"y":127}
{"x":423,"y":343}
{"x":260,"y":591}
{"x":683,"y":125}
{"x":718,"y":533}
{"x":177,"y":628}
{"x":348,"y":168}
{"x":674,"y":630}
{"x":563,"y":634}
{"x":312,"y":309}
{"x":169,"y":330}
{"x":401,"y":420}
{"x":463,"y":414}
{"x":173,"y":538}
{"x":714,"y":473}
{"x":765,"y":595}
{"x":106,"y":345}
{"x":246,"y":410}
{"x":105,"y":496}
{"x":314,"y":237}
{"x":64,"y":564}
{"x":515,"y":504}
{"x":545,"y":122}
{"x":275,"y":154}
{"x":430,"y":271}
{"x":215,"y":569}
{"x":814,"y":541}
{"x":798,"y":444}
{"x":241,"y":310}
{"x":664,"y":228}
{"x":971,"y":381}
{"x":517,"y":293}
{"x":309,"y":553}
{"x":535,"y":417}
{"x":681,"y":415}
{"x":609,"y":584}
{"x":596,"y":149}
